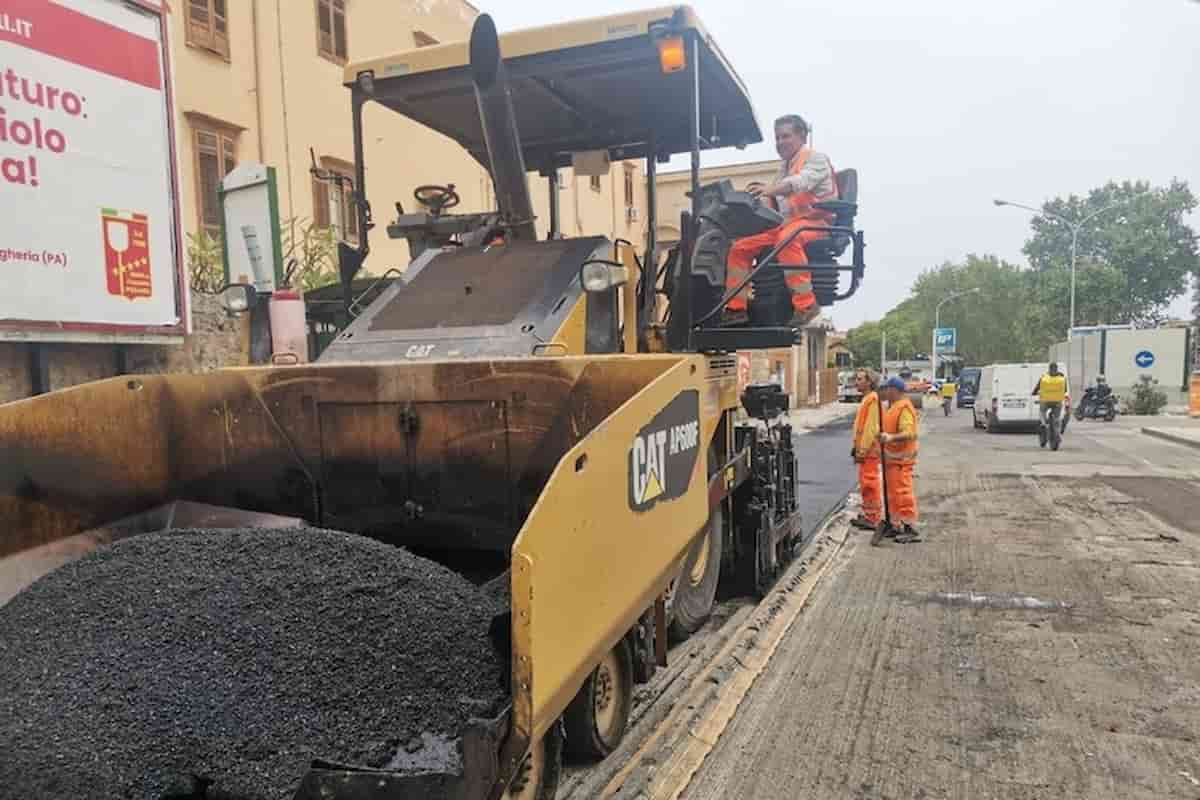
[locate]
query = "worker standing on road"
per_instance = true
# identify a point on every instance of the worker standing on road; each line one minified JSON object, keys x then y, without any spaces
{"x":865,"y":451}
{"x":806,"y":177}
{"x":947,"y":391}
{"x":899,"y":439}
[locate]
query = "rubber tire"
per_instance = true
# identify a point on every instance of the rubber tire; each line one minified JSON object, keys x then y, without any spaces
{"x":692,"y":604}
{"x":584,"y":740}
{"x":551,"y":765}
{"x":975,"y":421}
{"x":1110,"y":414}
{"x":988,"y":426}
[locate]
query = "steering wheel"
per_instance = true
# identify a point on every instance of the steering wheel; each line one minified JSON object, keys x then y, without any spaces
{"x":437,"y":198}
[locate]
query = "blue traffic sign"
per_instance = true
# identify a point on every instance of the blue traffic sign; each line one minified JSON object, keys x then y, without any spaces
{"x":1144,"y":359}
{"x":945,"y":338}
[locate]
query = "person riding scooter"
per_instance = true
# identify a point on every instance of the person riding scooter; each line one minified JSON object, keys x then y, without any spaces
{"x":1098,"y":402}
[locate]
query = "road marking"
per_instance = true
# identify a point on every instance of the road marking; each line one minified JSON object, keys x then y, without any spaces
{"x":669,"y":758}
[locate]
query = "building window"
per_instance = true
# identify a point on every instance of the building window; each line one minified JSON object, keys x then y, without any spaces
{"x":333,"y":200}
{"x":331,"y":30}
{"x":216,"y":156}
{"x":629,"y":187}
{"x":423,"y":39}
{"x":208,"y":26}
{"x":594,"y":182}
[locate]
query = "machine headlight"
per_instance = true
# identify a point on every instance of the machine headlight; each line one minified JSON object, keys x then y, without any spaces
{"x":600,"y":276}
{"x":237,"y":298}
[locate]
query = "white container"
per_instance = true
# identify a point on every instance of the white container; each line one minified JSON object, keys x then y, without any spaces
{"x":289,"y":330}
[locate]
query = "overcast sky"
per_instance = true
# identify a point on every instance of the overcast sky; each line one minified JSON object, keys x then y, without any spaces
{"x":942,"y":105}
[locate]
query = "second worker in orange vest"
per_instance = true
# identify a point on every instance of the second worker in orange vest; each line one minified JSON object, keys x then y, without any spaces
{"x":899,"y":439}
{"x":806,"y":177}
{"x":866,"y":452}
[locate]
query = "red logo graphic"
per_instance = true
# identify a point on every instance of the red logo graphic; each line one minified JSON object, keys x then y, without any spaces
{"x":126,"y":253}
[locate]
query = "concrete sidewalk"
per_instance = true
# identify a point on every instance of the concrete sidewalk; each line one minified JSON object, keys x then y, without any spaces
{"x":1184,"y":433}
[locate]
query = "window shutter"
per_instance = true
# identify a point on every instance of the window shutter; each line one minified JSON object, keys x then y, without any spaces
{"x":220,"y":28}
{"x":339,"y":29}
{"x":320,"y":204}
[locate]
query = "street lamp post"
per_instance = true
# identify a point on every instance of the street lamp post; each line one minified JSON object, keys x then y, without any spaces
{"x":937,"y":323}
{"x":1075,"y":227}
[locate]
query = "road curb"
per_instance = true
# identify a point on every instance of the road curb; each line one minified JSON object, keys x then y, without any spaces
{"x":663,"y":767}
{"x":1166,"y":436}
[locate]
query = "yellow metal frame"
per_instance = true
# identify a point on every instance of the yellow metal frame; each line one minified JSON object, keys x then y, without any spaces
{"x":533,"y":41}
{"x":585,"y":565}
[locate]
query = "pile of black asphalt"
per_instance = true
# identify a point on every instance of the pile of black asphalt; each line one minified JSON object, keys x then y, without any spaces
{"x":225,"y":661}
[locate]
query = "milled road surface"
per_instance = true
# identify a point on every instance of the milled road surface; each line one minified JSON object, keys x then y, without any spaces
{"x":1042,"y":642}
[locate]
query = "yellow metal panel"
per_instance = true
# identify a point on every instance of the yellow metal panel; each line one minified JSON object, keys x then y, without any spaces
{"x":571,"y":337}
{"x":597,"y":564}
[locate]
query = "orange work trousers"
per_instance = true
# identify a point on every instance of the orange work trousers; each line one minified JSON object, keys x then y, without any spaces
{"x":901,"y":492}
{"x":870,"y":485}
{"x":743,"y":251}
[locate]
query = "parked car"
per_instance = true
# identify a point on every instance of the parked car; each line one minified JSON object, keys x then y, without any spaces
{"x":847,"y":389}
{"x":968,"y":387}
{"x":1005,"y":397}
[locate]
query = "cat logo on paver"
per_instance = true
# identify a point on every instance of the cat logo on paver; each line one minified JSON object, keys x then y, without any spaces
{"x":663,"y":454}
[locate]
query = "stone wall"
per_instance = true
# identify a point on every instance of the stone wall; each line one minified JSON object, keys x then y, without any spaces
{"x":217,"y":341}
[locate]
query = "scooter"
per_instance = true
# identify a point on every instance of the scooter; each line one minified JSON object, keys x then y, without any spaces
{"x":1093,"y":406}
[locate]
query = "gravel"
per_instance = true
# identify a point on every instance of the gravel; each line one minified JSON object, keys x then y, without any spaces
{"x":236,"y":657}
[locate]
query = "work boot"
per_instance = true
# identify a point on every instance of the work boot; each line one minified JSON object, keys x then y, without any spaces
{"x":862,"y":523}
{"x":908,"y":535}
{"x":883,"y":530}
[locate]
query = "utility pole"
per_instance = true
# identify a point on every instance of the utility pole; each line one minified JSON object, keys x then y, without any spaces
{"x":882,"y":353}
{"x":1074,"y":227}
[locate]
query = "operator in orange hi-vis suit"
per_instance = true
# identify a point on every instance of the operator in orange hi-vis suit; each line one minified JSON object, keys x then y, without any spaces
{"x":805,"y":177}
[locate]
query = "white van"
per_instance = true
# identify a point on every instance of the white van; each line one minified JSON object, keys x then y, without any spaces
{"x":1005,"y":397}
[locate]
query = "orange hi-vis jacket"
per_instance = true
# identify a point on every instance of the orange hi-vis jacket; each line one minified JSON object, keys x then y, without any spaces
{"x":798,"y":209}
{"x":866,"y":427}
{"x":901,"y":418}
{"x":799,"y":205}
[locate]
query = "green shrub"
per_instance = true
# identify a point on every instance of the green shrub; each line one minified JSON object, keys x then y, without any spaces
{"x":1147,"y":399}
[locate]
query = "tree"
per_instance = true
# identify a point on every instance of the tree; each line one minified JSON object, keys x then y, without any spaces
{"x":205,"y":264}
{"x":1002,"y":322}
{"x":1133,"y":258}
{"x":309,"y":255}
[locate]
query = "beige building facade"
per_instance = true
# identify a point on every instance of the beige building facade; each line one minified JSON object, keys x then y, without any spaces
{"x":271,"y":91}
{"x":261,"y":80}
